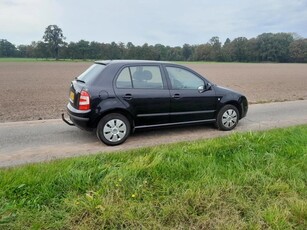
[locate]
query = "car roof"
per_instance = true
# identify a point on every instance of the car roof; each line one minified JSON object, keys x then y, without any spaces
{"x":107,"y":62}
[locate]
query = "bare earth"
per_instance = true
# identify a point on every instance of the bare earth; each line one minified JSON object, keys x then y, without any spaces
{"x":39,"y":90}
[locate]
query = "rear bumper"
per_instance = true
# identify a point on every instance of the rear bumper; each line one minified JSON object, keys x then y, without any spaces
{"x":79,"y":118}
{"x":66,"y":121}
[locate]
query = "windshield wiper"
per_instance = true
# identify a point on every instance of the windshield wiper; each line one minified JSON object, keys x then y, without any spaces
{"x":78,"y":80}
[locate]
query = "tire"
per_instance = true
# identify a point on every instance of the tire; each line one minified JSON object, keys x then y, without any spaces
{"x":113,"y":129}
{"x":227,"y":118}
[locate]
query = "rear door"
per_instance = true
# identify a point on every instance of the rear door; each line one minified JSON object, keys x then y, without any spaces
{"x":144,"y":91}
{"x":189,"y":103}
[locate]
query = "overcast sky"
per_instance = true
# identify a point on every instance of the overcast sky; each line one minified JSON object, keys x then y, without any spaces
{"x":167,"y":22}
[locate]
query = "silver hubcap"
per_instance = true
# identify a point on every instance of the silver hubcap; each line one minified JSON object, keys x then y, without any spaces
{"x":114,"y":130}
{"x":229,"y":118}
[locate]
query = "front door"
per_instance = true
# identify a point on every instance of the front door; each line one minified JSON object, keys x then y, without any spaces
{"x":188,"y":101}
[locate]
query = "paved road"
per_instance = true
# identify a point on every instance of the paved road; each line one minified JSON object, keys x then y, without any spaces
{"x":34,"y":141}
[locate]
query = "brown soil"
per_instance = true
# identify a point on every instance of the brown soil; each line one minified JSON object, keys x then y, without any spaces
{"x":39,"y":90}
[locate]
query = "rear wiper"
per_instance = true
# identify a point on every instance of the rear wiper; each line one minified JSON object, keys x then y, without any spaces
{"x":78,"y":80}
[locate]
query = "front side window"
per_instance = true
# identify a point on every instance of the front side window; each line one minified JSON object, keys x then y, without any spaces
{"x":140,"y":77}
{"x":183,"y":79}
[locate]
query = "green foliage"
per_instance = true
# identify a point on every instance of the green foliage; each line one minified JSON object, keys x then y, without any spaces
{"x":7,"y":49}
{"x":267,"y":47}
{"x":298,"y":50}
{"x":54,"y":37}
{"x":243,"y":181}
{"x":274,"y":47}
{"x":39,"y":60}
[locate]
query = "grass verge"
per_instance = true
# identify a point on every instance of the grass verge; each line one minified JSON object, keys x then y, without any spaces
{"x":243,"y":181}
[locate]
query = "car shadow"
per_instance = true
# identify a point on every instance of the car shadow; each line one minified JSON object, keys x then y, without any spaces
{"x":154,"y":136}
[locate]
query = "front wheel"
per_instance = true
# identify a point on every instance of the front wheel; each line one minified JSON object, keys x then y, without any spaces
{"x":227,"y":118}
{"x":113,"y":129}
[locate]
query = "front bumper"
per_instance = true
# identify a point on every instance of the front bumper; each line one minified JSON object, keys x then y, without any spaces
{"x":244,"y":106}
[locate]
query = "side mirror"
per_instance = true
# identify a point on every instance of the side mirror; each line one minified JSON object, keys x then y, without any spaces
{"x":204,"y":88}
{"x":201,"y":89}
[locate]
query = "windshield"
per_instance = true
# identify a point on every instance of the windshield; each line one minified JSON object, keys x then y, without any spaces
{"x":91,"y":73}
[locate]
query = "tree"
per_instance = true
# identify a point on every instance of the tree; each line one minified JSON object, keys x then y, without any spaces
{"x":274,"y":47}
{"x":161,"y":51}
{"x":41,"y":50}
{"x":227,"y":51}
{"x":83,"y":48}
{"x":203,"y":52}
{"x":252,"y":50}
{"x":298,"y":50}
{"x":55,"y":38}
{"x":26,"y":51}
{"x":187,"y":52}
{"x":115,"y":51}
{"x":239,"y":49}
{"x":94,"y":50}
{"x":216,"y":45}
{"x":7,"y":49}
{"x":282,"y":43}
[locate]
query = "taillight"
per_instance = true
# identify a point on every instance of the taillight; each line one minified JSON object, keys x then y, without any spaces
{"x":84,"y":101}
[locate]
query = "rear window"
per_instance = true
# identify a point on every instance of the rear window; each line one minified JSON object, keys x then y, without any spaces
{"x":91,"y":73}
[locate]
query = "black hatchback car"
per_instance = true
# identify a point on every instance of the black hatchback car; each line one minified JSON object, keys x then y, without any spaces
{"x":116,"y":97}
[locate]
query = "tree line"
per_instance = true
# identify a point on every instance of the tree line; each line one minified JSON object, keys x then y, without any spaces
{"x":267,"y":47}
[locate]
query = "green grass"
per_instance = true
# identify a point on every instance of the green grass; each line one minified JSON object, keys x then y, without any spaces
{"x":24,"y":59}
{"x":243,"y":181}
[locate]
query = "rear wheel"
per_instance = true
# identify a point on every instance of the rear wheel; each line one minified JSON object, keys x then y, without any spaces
{"x":113,"y":129}
{"x":227,"y":118}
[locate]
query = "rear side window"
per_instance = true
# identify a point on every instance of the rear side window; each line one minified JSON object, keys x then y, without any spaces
{"x":91,"y":73}
{"x":124,"y":79}
{"x":140,"y":77}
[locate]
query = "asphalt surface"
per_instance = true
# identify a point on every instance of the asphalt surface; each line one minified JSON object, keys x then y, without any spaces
{"x":36,"y":141}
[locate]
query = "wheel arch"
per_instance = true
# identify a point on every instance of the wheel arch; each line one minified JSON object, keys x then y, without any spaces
{"x":234,"y":103}
{"x":121,"y":111}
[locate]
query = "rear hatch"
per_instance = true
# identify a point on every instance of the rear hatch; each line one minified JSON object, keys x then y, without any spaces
{"x":79,"y":86}
{"x":76,"y":87}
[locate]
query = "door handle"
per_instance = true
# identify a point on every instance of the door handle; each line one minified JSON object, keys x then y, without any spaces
{"x":127,"y":97}
{"x":176,"y":96}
